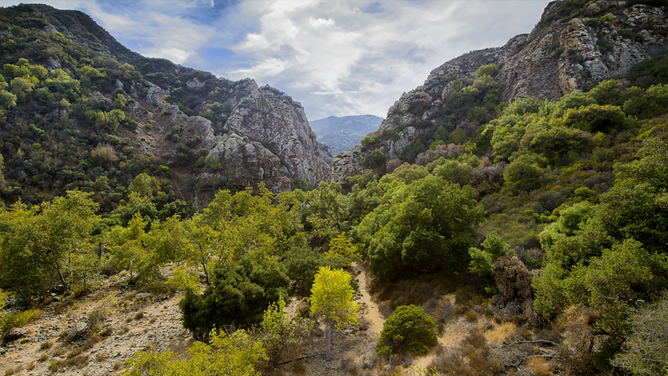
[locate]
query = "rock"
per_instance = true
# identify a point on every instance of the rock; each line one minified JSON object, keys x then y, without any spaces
{"x":15,"y":333}
{"x":246,"y":163}
{"x":273,"y":119}
{"x":2,"y":350}
{"x":369,"y":359}
{"x":142,"y":296}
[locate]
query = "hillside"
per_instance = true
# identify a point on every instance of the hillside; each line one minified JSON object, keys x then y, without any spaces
{"x":342,"y":133}
{"x":80,"y":111}
{"x":575,"y":45}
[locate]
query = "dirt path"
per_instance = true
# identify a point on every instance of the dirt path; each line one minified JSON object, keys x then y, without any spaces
{"x":370,"y":309}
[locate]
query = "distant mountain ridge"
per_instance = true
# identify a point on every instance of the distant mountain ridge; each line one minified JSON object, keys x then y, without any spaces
{"x":344,"y":132}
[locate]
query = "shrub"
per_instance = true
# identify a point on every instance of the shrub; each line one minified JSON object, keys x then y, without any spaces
{"x":596,"y":118}
{"x":646,"y":349}
{"x":409,"y":329}
{"x":237,"y":295}
{"x":375,"y":160}
{"x":104,"y":154}
{"x":18,"y":319}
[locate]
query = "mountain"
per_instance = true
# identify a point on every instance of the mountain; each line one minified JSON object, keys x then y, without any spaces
{"x":81,"y":111}
{"x":344,"y":132}
{"x":575,"y":45}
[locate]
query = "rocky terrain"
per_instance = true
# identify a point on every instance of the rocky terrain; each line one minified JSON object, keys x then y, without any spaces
{"x":565,"y":52}
{"x":59,"y":340}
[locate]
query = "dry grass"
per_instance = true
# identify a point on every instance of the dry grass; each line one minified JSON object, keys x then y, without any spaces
{"x":76,"y":361}
{"x":58,"y":352}
{"x":539,"y":366}
{"x":500,"y":332}
{"x":139,"y":315}
{"x":44,"y":357}
{"x":12,"y":370}
{"x":130,"y":295}
{"x":45,"y":345}
{"x":299,"y":367}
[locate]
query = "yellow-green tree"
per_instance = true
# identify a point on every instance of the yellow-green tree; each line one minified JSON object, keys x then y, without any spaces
{"x":342,"y":252}
{"x":332,"y":298}
{"x":281,"y":335}
{"x":234,"y":354}
{"x":41,"y":244}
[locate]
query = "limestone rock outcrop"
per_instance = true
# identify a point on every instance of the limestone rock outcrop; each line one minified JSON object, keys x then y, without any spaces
{"x":246,"y":163}
{"x":267,"y":138}
{"x":273,"y":119}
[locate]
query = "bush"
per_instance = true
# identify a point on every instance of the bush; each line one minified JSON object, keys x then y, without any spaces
{"x":18,"y":319}
{"x":646,"y":349}
{"x":238,"y":295}
{"x":409,"y":329}
{"x":595,"y":118}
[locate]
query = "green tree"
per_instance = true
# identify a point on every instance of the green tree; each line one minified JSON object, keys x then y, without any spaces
{"x":482,"y":260}
{"x":38,"y":243}
{"x":234,"y":354}
{"x":375,"y":160}
{"x":327,"y":211}
{"x":453,"y":171}
{"x":7,"y":100}
{"x":238,"y":295}
{"x":21,"y":87}
{"x":342,"y":252}
{"x":302,"y":264}
{"x":635,"y":207}
{"x":409,"y":329}
{"x":427,"y":224}
{"x":524,"y":172}
{"x":596,"y":118}
{"x":332,"y":298}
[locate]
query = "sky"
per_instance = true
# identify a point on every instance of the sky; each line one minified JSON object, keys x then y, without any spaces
{"x":335,"y":57}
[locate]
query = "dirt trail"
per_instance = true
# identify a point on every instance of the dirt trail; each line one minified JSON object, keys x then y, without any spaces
{"x":452,"y":334}
{"x":370,"y":309}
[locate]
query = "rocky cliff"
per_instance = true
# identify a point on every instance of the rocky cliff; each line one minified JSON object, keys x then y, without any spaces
{"x":209,"y":132}
{"x":575,"y":44}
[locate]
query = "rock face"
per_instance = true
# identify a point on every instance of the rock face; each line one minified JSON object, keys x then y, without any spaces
{"x":273,"y":119}
{"x":565,"y":52}
{"x":246,"y":163}
{"x":560,"y":56}
{"x":268,"y":138}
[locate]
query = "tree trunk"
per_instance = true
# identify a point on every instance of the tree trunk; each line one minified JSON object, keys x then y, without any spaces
{"x":329,"y":341}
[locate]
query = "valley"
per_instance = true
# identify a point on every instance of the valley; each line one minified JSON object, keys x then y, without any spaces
{"x":507,"y":217}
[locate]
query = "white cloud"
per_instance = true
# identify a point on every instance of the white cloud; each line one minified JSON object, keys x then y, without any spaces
{"x":338,"y":59}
